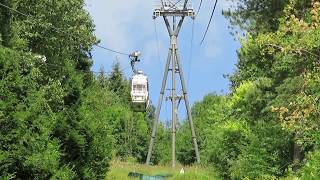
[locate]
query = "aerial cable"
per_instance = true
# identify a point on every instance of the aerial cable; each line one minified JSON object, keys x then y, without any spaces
{"x":185,"y":4}
{"x":80,"y":70}
{"x":64,"y":32}
{"x":207,"y":29}
{"x":199,"y":8}
{"x":191,"y":52}
{"x":158,"y":45}
{"x":111,"y":50}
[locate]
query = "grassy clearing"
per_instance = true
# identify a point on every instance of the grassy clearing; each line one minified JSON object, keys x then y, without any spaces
{"x":120,"y":170}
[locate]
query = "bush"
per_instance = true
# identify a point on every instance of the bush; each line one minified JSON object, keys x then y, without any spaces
{"x":311,"y":169}
{"x":28,"y":149}
{"x":40,"y":136}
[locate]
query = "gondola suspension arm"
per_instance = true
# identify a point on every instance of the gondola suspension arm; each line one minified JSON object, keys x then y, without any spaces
{"x":134,"y":59}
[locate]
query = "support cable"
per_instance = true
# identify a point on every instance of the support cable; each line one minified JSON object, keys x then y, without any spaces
{"x":111,"y":50}
{"x":61,"y":31}
{"x":199,"y":8}
{"x":207,"y":29}
{"x":158,"y":46}
{"x":185,"y":4}
{"x":80,"y":70}
{"x":191,"y":53}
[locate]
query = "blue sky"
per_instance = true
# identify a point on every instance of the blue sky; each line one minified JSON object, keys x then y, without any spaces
{"x":127,"y":25}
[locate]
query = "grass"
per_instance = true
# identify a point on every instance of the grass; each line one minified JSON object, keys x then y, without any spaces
{"x":120,"y":171}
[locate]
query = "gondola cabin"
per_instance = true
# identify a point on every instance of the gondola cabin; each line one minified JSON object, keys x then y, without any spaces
{"x":140,"y":91}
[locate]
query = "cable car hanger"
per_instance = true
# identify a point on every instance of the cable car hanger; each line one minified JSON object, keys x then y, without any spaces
{"x":134,"y":59}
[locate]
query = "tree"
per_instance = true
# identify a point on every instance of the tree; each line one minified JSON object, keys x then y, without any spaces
{"x":49,"y":128}
{"x":118,"y":84}
{"x":286,"y":55}
{"x":28,"y":149}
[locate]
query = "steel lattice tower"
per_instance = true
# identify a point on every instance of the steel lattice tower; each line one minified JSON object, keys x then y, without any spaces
{"x":177,"y":10}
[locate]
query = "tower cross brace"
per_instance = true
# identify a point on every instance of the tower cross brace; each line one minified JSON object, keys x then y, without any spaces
{"x":173,"y":60}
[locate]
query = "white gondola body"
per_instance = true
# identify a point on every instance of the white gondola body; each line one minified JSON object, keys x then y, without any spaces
{"x":140,"y":91}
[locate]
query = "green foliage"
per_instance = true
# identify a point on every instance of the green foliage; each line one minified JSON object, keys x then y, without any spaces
{"x":59,"y":121}
{"x":93,"y":134}
{"x":128,"y":128}
{"x":162,"y":154}
{"x":250,"y":99}
{"x":207,"y":114}
{"x":264,"y":155}
{"x":256,"y":16}
{"x":274,"y":91}
{"x":223,"y":146}
{"x":38,"y":139}
{"x":28,"y":148}
{"x":311,"y":169}
{"x":238,"y":133}
{"x":185,"y":150}
{"x":53,"y":120}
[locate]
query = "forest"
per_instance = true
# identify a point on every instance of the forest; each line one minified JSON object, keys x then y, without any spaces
{"x":59,"y":120}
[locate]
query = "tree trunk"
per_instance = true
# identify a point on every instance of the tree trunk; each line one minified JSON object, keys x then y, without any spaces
{"x":297,"y":154}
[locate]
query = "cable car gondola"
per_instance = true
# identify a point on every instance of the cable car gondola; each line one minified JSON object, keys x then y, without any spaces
{"x":139,"y":86}
{"x":139,"y":91}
